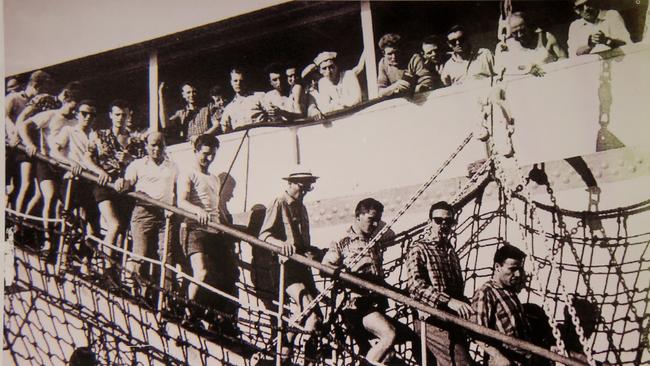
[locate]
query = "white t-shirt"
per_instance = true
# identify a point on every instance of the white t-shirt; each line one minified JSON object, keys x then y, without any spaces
{"x":73,"y":143}
{"x":156,"y":181}
{"x":203,"y":191}
{"x":609,"y":22}
{"x":50,"y":123}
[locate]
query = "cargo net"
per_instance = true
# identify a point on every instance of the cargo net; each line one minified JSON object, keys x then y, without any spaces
{"x":587,"y":291}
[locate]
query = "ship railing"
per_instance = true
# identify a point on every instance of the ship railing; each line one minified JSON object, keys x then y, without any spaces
{"x":489,"y":335}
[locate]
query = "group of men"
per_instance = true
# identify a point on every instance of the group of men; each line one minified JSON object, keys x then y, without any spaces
{"x":523,"y":49}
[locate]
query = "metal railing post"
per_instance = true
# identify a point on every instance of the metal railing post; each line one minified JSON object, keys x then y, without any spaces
{"x":122,"y":238}
{"x":423,"y":340}
{"x":163,"y":261}
{"x":278,"y":348}
{"x":63,"y":244}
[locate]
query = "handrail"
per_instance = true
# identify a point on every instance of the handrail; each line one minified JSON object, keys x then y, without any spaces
{"x":334,"y":272}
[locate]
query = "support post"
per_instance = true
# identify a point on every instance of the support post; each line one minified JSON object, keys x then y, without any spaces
{"x":278,"y":348}
{"x":369,"y":49}
{"x":63,"y":244}
{"x":153,"y":90}
{"x":163,"y":260}
{"x":423,"y":340}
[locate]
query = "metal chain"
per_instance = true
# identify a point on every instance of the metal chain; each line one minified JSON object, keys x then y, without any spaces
{"x":298,"y":318}
{"x":553,"y":261}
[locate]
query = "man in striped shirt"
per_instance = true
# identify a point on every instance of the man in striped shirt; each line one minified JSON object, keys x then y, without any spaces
{"x":435,"y":278}
{"x":498,"y":307}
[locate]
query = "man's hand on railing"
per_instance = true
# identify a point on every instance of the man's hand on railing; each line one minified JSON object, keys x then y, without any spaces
{"x":463,"y":309}
{"x":121,"y":185}
{"x":76,"y":169}
{"x":202,"y":217}
{"x":31,"y":149}
{"x":288,"y":249}
{"x":103,"y":178}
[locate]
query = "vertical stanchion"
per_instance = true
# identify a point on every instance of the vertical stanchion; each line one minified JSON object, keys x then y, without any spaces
{"x":63,"y":244}
{"x":163,"y":260}
{"x":278,"y":349}
{"x":423,"y":339}
{"x":122,"y":239}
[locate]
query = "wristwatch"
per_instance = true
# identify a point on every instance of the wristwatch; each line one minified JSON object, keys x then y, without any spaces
{"x":609,"y":42}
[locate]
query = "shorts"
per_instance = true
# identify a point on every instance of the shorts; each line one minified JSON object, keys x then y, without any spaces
{"x":295,"y":272}
{"x":12,"y":168}
{"x":198,"y":240}
{"x":45,"y":171}
{"x":102,"y":193}
{"x":22,"y":157}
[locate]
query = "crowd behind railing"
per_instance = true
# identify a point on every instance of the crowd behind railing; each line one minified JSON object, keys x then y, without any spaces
{"x":62,"y":127}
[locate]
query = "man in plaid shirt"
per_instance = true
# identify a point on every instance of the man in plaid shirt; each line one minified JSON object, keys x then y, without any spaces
{"x":497,"y":306}
{"x":435,"y":279}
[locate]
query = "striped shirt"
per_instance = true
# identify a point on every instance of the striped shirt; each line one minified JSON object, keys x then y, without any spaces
{"x":499,"y":308}
{"x":434,"y":275}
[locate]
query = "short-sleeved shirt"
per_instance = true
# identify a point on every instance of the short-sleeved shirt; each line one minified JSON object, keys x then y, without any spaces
{"x":41,"y":103}
{"x":434,"y":274}
{"x":73,"y":142}
{"x":179,"y":122}
{"x":480,"y":65}
{"x":207,"y":117}
{"x":155,"y":180}
{"x":609,"y":22}
{"x":14,"y":104}
{"x":428,"y":76}
{"x":50,"y":124}
{"x":287,"y":220}
{"x":345,"y":93}
{"x":388,"y":75}
{"x":103,"y":147}
{"x":499,"y":308}
{"x":242,"y":110}
{"x":203,"y":192}
{"x":345,"y":250}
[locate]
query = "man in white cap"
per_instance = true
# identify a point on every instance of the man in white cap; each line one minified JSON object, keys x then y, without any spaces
{"x":337,"y":89}
{"x":596,"y":30}
{"x":286,"y":225}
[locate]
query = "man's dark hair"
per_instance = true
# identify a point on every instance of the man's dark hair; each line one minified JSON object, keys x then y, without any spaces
{"x":441,"y":205}
{"x":119,"y":103}
{"x":40,"y":80}
{"x":274,"y":68}
{"x":237,"y":70}
{"x":508,"y":251}
{"x":71,"y":91}
{"x":457,"y":28}
{"x":390,"y":40}
{"x":83,"y":356}
{"x":88,"y":102}
{"x":217,"y":91}
{"x":367,"y":204}
{"x":433,"y":39}
{"x":206,"y":140}
{"x":188,"y":83}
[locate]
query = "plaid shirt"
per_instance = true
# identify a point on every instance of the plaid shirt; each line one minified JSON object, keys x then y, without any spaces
{"x":103,"y":146}
{"x":499,"y":308}
{"x":434,"y":275}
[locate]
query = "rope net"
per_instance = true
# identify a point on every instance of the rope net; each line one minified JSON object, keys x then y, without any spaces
{"x":599,"y":257}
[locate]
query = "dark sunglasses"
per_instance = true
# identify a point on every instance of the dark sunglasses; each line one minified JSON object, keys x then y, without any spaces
{"x":445,"y":220}
{"x":456,"y":41}
{"x":86,"y":114}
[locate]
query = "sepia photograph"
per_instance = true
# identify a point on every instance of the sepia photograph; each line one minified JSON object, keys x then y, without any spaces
{"x":273,"y":182}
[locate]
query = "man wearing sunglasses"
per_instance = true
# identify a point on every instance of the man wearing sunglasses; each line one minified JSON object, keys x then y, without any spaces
{"x":435,"y":278}
{"x":466,"y":63}
{"x":286,"y":225}
{"x":597,"y":30}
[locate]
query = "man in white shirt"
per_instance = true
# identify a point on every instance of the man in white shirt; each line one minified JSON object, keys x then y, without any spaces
{"x":49,"y":123}
{"x":596,"y":30}
{"x":337,"y":89}
{"x":245,"y":106}
{"x":467,"y":63}
{"x":154,"y":175}
{"x":211,"y":254}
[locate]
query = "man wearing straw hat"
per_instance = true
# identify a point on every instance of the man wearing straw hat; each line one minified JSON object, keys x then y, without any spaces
{"x":286,"y":225}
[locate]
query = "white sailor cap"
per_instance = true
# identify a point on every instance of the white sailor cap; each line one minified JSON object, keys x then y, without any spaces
{"x":324,"y":56}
